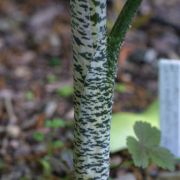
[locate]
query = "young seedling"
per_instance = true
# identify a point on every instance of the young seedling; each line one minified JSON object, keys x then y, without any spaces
{"x":146,"y":148}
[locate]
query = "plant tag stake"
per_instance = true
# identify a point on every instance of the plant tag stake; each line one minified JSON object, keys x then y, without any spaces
{"x":169,"y":92}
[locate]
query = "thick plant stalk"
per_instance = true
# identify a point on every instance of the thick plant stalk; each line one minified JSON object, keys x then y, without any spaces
{"x":93,"y":89}
{"x":92,"y":107}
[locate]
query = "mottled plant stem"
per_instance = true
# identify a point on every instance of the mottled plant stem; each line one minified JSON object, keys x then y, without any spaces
{"x":94,"y":73}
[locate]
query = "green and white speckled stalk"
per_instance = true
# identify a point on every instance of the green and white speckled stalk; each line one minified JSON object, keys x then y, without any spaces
{"x":93,"y":89}
{"x":91,"y":95}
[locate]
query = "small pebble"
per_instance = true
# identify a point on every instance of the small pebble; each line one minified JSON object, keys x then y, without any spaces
{"x":13,"y":131}
{"x":128,"y":176}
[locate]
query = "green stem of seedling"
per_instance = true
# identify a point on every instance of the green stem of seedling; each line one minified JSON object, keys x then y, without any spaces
{"x":50,"y":139}
{"x":143,"y":172}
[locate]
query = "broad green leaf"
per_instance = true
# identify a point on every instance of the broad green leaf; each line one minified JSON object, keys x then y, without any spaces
{"x":122,"y":125}
{"x":147,"y":147}
{"x":163,"y":158}
{"x":139,"y":154}
{"x":55,"y":123}
{"x":153,"y":108}
{"x":65,"y":91}
{"x":121,"y":128}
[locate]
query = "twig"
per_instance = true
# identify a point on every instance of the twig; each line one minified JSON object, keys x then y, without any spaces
{"x":9,"y":108}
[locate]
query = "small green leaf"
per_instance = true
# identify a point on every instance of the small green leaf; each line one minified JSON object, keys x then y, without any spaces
{"x":38,"y":136}
{"x":29,"y":95}
{"x":147,"y":148}
{"x":147,"y":134}
{"x":55,"y":61}
{"x":139,"y":154}
{"x":120,"y":87}
{"x":163,"y":158}
{"x":55,"y":123}
{"x":51,"y":78}
{"x":58,"y":144}
{"x":65,"y":91}
{"x":46,"y":165}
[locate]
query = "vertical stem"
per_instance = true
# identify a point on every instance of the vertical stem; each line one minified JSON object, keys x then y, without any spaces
{"x":92,"y":100}
{"x":143,"y":172}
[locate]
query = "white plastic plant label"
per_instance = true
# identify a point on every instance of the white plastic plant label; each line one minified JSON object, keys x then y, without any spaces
{"x":169,"y":94}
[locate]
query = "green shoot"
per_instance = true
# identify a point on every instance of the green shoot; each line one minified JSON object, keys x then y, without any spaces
{"x":146,"y":148}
